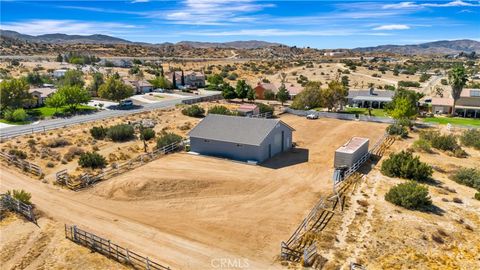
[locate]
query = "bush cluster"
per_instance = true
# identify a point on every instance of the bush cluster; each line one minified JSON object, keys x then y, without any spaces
{"x":98,"y":133}
{"x":443,"y":142}
{"x":168,"y":138}
{"x":72,"y":152}
{"x":193,"y":111}
{"x":147,"y":134}
{"x":57,"y":142}
{"x":121,"y":133}
{"x":92,"y":160}
{"x":397,"y":130}
{"x":264,"y":108}
{"x":471,"y":138}
{"x":405,"y":165}
{"x":18,"y":115}
{"x":409,"y":195}
{"x":219,"y":109}
{"x":467,"y":176}
{"x":477,"y":196}
{"x":18,"y":153}
{"x":422,"y":146}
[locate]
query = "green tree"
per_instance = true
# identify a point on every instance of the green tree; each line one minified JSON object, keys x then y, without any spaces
{"x":282,"y":94}
{"x":72,"y":78}
{"x":345,"y":81}
{"x":74,"y":95}
{"x":251,"y":95}
{"x":160,"y":82}
{"x":215,"y":82}
{"x":338,"y":93}
{"x":457,"y":78}
{"x":242,"y":89}
{"x":409,"y":195}
{"x":59,"y":58}
{"x":115,"y":89}
{"x":228,"y":92}
{"x":33,"y":78}
{"x":404,"y":105}
{"x":56,"y":101}
{"x":309,"y":98}
{"x":96,"y":83}
{"x":14,"y":93}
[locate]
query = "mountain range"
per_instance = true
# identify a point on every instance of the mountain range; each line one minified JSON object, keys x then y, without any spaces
{"x":437,"y":47}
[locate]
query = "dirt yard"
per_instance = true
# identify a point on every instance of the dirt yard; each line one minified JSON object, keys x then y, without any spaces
{"x":187,"y":211}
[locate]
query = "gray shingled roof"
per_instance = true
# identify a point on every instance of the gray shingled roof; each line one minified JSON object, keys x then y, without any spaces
{"x":235,"y":129}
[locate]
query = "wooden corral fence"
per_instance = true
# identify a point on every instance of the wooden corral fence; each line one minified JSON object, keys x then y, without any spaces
{"x":8,"y":202}
{"x":300,"y":245}
{"x":86,"y":180}
{"x":202,"y":99}
{"x":22,"y":164}
{"x":111,"y":250}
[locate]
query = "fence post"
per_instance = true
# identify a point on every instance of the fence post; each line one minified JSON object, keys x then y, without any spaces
{"x":148,"y":264}
{"x":128,"y":256}
{"x":109,"y":248}
{"x":74,"y":233}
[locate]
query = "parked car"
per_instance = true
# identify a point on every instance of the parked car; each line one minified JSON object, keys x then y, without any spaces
{"x":126,"y":103}
{"x":312,"y":116}
{"x":159,"y":90}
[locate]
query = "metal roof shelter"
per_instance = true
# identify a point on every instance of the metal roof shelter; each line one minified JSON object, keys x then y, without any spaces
{"x":240,"y":138}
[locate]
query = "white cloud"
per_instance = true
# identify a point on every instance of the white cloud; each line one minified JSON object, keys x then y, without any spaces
{"x":392,"y":27}
{"x":413,"y":5}
{"x":139,"y":1}
{"x":273,"y":32}
{"x":71,"y":27}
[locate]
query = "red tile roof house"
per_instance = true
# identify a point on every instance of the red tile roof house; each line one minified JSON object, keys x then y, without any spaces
{"x":262,"y":87}
{"x":248,"y":110}
{"x":468,"y":105}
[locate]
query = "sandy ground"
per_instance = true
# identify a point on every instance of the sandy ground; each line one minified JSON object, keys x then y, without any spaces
{"x":188,"y":211}
{"x":25,"y":245}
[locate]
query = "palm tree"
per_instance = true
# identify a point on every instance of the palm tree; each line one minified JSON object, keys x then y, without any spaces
{"x":457,"y":79}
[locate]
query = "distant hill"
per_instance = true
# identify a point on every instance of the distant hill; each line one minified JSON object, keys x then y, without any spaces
{"x":63,"y":38}
{"x":436,"y":47}
{"x":104,"y":39}
{"x":249,"y":44}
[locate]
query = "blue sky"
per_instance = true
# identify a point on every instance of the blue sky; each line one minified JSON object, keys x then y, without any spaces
{"x":318,"y":24}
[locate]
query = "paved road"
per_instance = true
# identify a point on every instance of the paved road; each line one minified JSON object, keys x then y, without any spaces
{"x":63,"y":122}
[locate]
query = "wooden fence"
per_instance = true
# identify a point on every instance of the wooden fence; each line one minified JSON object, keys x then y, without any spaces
{"x":22,"y":164}
{"x":202,"y":99}
{"x":261,"y":115}
{"x":111,"y":250}
{"x":86,"y":180}
{"x":8,"y":202}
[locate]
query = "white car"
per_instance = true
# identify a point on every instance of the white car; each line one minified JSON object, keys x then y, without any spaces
{"x":312,"y":116}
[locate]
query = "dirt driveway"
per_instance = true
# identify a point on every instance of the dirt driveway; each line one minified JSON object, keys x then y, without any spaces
{"x":188,"y":211}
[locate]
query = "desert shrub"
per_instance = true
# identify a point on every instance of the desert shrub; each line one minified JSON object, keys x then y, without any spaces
{"x":18,"y":115}
{"x":147,"y":134}
{"x":398,"y":130}
{"x":422,"y":146}
{"x":471,"y":138}
{"x":405,"y":165}
{"x":409,"y":195}
{"x":18,"y":153}
{"x":264,"y":108}
{"x":121,"y":133}
{"x":477,"y":196}
{"x":72,"y":152}
{"x":467,"y":176}
{"x":193,"y":111}
{"x":219,"y":109}
{"x":98,"y":133}
{"x":440,"y":141}
{"x":50,"y":164}
{"x":92,"y":160}
{"x":408,"y":84}
{"x":57,"y":142}
{"x":168,"y":138}
{"x":459,"y":153}
{"x":20,"y":195}
{"x":269,"y":95}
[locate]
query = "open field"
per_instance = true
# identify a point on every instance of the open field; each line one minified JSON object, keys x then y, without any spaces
{"x":185,"y":210}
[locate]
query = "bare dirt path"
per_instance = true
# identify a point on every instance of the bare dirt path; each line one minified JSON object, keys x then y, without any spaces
{"x":100,"y":216}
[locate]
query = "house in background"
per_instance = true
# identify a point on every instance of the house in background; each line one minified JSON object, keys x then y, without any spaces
{"x":376,"y":99}
{"x":262,"y":87}
{"x":240,"y":138}
{"x":59,"y":73}
{"x":191,"y":78}
{"x":40,"y":95}
{"x":143,"y":87}
{"x":468,"y":105}
{"x":248,"y":110}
